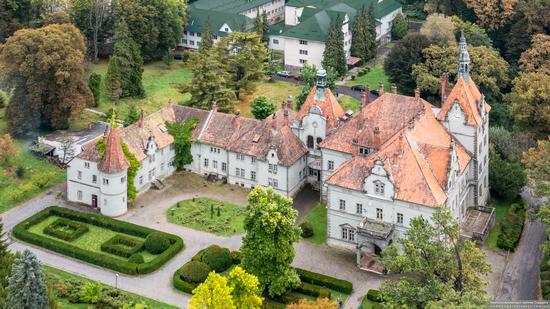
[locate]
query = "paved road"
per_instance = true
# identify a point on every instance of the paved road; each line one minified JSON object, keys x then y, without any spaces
{"x":521,"y":275}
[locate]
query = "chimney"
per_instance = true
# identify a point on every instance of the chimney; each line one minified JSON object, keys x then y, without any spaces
{"x":393,"y":89}
{"x":285,"y":113}
{"x":417,"y":94}
{"x":380,"y":88}
{"x":289,"y":102}
{"x":141,"y":121}
{"x":444,"y":84}
{"x":365,"y":97}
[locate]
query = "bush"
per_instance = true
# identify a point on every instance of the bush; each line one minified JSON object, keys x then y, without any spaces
{"x":182,"y":285}
{"x":21,"y":232}
{"x":136,"y":258}
{"x":307,"y":229}
{"x":157,"y":243}
{"x":122,"y":245}
{"x":374,"y":295}
{"x":236,"y":257}
{"x":511,"y":227}
{"x":217,"y":258}
{"x":194,"y":272}
{"x":313,"y":290}
{"x":67,"y":230}
{"x":20,"y":171}
{"x":326,"y":281}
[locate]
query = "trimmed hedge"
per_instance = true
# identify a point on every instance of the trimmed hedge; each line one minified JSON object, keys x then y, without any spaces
{"x":374,"y":295}
{"x":217,"y":258}
{"x":313,"y":290}
{"x":182,"y":285}
{"x":194,"y":272}
{"x":55,"y":229}
{"x":136,"y":258}
{"x":21,"y":232}
{"x":545,"y":276}
{"x":326,"y":281}
{"x":157,"y":243}
{"x":511,"y":227}
{"x":307,"y":229}
{"x":122,"y":245}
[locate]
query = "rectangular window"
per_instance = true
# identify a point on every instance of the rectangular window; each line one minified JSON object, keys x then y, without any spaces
{"x":344,"y":233}
{"x":192,"y":43}
{"x":330,"y":165}
{"x":87,"y":164}
{"x":303,"y":42}
{"x":303,"y":52}
{"x":94,"y":178}
{"x":79,"y":195}
{"x":253,"y":175}
{"x":399,"y":218}
{"x":152,"y":158}
{"x":105,"y":181}
{"x":123,"y":179}
{"x":342,"y":205}
{"x":224,"y":166}
{"x":205,"y":162}
{"x":275,"y":183}
{"x":379,"y":188}
{"x":253,"y":160}
{"x":237,"y":171}
{"x":379,"y":214}
{"x":215,"y":164}
{"x":303,"y":61}
{"x":275,"y":41}
{"x":351,"y":235}
{"x":140,"y":180}
{"x":359,"y":208}
{"x":79,"y":176}
{"x":151,"y":174}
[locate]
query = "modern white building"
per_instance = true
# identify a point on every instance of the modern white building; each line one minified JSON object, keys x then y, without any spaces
{"x":398,"y":158}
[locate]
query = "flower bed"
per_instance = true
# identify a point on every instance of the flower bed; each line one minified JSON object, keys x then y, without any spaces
{"x":100,"y":226}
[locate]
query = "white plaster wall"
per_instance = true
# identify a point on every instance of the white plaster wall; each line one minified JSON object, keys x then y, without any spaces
{"x":275,"y":11}
{"x":248,"y":165}
{"x":456,"y":123}
{"x":187,"y":38}
{"x":292,"y":14}
{"x":113,"y":198}
{"x":276,"y":46}
{"x":292,"y":52}
{"x":206,"y":153}
{"x":386,"y":24}
{"x":314,"y":125}
{"x":85,"y":183}
{"x":296,"y":176}
{"x":162,"y":166}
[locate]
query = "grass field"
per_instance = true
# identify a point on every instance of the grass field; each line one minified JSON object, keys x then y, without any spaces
{"x":501,"y":207}
{"x":348,"y":103}
{"x":276,"y":91}
{"x":369,"y":304}
{"x":318,"y":217}
{"x":375,"y":75}
{"x":55,"y":274}
{"x":197,"y":214}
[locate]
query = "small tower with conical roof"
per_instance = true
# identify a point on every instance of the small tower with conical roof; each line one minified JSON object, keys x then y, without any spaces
{"x":463,"y":59}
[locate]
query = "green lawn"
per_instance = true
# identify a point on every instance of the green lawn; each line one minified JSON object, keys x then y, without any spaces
{"x":501,"y":207}
{"x":40,"y":175}
{"x":369,"y":304}
{"x":197,"y":214}
{"x":348,"y":103}
{"x":318,"y":217}
{"x":276,"y":91}
{"x":55,"y":274}
{"x":375,"y":75}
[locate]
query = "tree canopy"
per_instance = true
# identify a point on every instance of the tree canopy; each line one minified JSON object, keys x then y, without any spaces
{"x":213,"y":293}
{"x":493,"y":14}
{"x":267,"y":250}
{"x":537,"y":57}
{"x":400,"y":27}
{"x":130,"y":63}
{"x":261,"y":107}
{"x":94,"y":19}
{"x":182,"y":141}
{"x":363,"y":42}
{"x":439,"y":29}
{"x":46,"y":68}
{"x":27,"y":284}
{"x":530,"y":101}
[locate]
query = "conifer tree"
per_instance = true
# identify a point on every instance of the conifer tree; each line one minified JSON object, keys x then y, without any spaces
{"x":371,"y":29}
{"x":334,"y":55}
{"x":265,"y":26}
{"x":130,"y":61}
{"x":6,"y":261}
{"x":94,"y":83}
{"x":207,"y":39}
{"x":113,"y":83}
{"x":359,"y":36}
{"x":27,"y":284}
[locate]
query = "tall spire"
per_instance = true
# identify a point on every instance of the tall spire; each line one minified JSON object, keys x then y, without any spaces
{"x":463,"y":59}
{"x":321,"y":84}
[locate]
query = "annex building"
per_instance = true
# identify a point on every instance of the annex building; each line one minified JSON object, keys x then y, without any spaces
{"x":399,"y":157}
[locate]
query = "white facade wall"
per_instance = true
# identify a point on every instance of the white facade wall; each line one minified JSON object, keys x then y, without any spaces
{"x":333,"y":158}
{"x":192,"y":39}
{"x":113,"y":194}
{"x":292,"y":14}
{"x":211,"y":159}
{"x":276,"y":42}
{"x":157,"y":165}
{"x":242,"y":168}
{"x":386,"y":24}
{"x":82,"y":182}
{"x":275,"y":11}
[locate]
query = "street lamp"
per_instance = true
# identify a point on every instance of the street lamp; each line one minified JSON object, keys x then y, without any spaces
{"x":116,"y":280}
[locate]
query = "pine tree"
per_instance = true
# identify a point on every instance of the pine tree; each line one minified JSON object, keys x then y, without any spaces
{"x":113,"y":83}
{"x":371,"y":29}
{"x":3,"y":242}
{"x":27,"y":284}
{"x":6,"y":261}
{"x":400,"y":27}
{"x":265,"y":28}
{"x":130,"y":61}
{"x":359,"y":35}
{"x":94,"y":83}
{"x":207,"y":39}
{"x":334,"y":55}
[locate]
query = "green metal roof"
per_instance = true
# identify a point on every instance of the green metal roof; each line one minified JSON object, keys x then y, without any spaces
{"x":228,"y":6}
{"x":198,"y":18}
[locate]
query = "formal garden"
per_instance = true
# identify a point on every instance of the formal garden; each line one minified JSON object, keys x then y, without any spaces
{"x":99,"y":240}
{"x":208,"y":215}
{"x":222,"y":260}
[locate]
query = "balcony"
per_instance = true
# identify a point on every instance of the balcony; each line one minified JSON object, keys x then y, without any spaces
{"x":375,"y":229}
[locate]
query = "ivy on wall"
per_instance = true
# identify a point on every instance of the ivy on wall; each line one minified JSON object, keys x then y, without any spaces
{"x":182,"y":141}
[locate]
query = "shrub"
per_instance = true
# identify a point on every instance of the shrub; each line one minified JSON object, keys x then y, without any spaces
{"x":374,"y":295}
{"x":67,"y":230}
{"x":20,"y":171}
{"x":326,"y":281}
{"x":136,"y":258}
{"x":21,"y":232}
{"x":313,"y":290}
{"x":236,"y":257}
{"x":182,"y":285}
{"x":217,"y":258}
{"x":157,"y":243}
{"x":511,"y":227}
{"x":194,"y":272}
{"x":122,"y":245}
{"x":307,"y":229}
{"x":545,"y":275}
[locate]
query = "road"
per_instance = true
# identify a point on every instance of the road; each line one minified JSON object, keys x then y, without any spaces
{"x":521,"y":275}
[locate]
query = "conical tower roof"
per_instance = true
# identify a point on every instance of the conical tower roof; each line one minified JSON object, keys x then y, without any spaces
{"x":114,"y":160}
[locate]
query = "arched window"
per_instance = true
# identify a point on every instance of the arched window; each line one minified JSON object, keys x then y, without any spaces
{"x":310,"y":141}
{"x":319,"y":140}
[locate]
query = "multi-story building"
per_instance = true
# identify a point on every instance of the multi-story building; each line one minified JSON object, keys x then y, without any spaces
{"x":398,"y":158}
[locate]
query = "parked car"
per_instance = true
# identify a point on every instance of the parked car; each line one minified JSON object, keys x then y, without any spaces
{"x":297,"y":77}
{"x":374,"y":92}
{"x":358,"y":88}
{"x":284,"y":74}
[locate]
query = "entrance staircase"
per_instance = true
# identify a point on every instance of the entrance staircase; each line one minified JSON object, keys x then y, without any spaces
{"x":158,"y":184}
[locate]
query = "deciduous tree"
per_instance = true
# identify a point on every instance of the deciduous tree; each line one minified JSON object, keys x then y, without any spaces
{"x":94,"y":83}
{"x":399,"y":63}
{"x":94,"y":19}
{"x":439,"y":29}
{"x":442,"y":267}
{"x":506,"y":179}
{"x":46,"y":68}
{"x":7,"y":149}
{"x":537,"y":57}
{"x":182,"y":141}
{"x":245,"y":289}
{"x":319,"y":303}
{"x":334,"y":55}
{"x":26,"y":284}
{"x":213,"y":293}
{"x":261,"y":107}
{"x":267,"y":250}
{"x":474,"y":34}
{"x":493,"y":14}
{"x":537,"y":163}
{"x":530,"y":101}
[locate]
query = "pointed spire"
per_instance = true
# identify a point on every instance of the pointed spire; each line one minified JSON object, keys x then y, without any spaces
{"x":113,"y":160}
{"x":463,"y":59}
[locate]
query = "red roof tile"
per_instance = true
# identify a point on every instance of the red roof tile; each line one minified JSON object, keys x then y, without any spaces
{"x":329,"y":106}
{"x":467,"y":95}
{"x":113,"y":160}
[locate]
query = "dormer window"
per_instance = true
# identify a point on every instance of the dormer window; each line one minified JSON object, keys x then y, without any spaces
{"x":364,"y":151}
{"x":379,"y":188}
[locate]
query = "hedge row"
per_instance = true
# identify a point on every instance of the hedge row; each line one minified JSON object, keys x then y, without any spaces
{"x":181,"y":284}
{"x":122,"y":245}
{"x":77,"y":229}
{"x":326,"y":281}
{"x":374,"y":295}
{"x":511,"y":227}
{"x":104,"y":260}
{"x":313,"y":290}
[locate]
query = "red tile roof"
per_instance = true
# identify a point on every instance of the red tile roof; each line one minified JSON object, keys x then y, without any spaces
{"x":329,"y":106}
{"x":468,"y":96}
{"x":113,"y":160}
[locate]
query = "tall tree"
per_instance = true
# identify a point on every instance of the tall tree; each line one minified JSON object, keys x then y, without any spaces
{"x":16,"y":15}
{"x":94,"y":83}
{"x":506,"y":179}
{"x":261,"y":107}
{"x":126,"y":51}
{"x":46,"y":68}
{"x":245,"y":289}
{"x":93,"y":18}
{"x":182,"y":141}
{"x":537,"y":57}
{"x":243,"y":57}
{"x":213,"y":293}
{"x":113,"y":79}
{"x":400,"y":27}
{"x":442,"y":268}
{"x":265,"y":25}
{"x":493,"y":14}
{"x":267,"y":250}
{"x":156,"y":26}
{"x":27,"y":285}
{"x":399,"y":63}
{"x":359,"y":36}
{"x":6,"y":262}
{"x":439,"y":29}
{"x":474,"y":34}
{"x":371,"y":29}
{"x":334,"y":55}
{"x":530,"y":101}
{"x":7,"y":151}
{"x":207,"y":37}
{"x":210,"y":84}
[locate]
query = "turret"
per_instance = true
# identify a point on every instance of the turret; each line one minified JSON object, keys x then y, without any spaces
{"x":463,"y":59}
